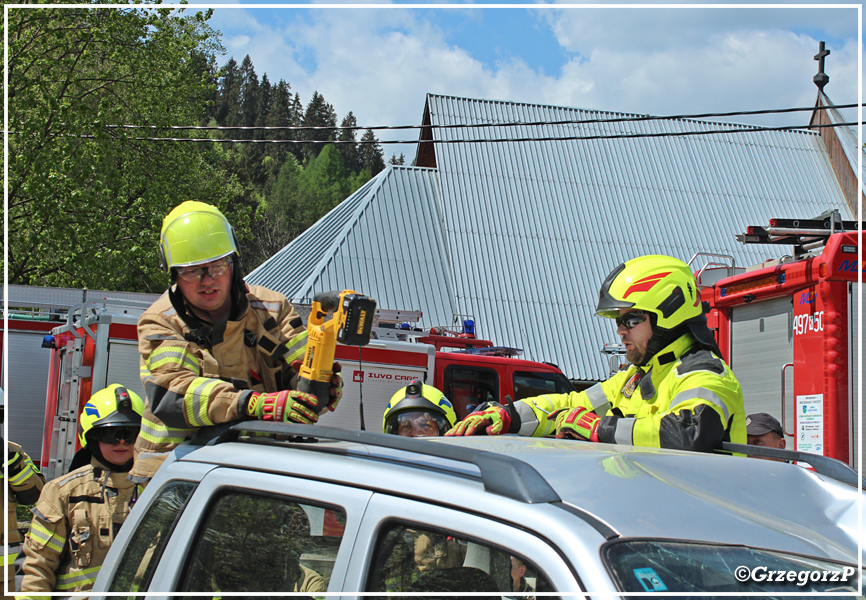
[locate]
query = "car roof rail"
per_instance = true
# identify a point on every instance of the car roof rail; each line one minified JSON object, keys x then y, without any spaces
{"x":824,"y":465}
{"x":501,"y":474}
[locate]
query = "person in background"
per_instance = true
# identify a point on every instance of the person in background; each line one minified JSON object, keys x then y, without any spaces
{"x":78,"y":515}
{"x":23,"y":487}
{"x":213,"y":348}
{"x":762,"y":429}
{"x":678,"y":392}
{"x":418,"y":410}
{"x":518,"y":577}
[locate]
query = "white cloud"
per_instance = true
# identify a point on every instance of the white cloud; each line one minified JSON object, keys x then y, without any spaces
{"x":380,"y":63}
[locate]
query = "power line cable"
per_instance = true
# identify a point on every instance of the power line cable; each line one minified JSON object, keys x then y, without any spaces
{"x":631,"y":119}
{"x":746,"y":129}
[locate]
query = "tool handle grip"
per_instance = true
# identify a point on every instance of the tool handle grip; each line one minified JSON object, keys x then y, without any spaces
{"x":319,"y":389}
{"x":327,"y":300}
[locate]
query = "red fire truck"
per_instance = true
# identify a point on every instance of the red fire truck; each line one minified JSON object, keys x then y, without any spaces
{"x":98,"y":346}
{"x":467,"y":370}
{"x":790,"y":329}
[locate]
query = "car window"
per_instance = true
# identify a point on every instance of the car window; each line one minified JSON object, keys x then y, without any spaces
{"x":671,"y":566}
{"x":252,"y":542}
{"x":467,"y":387}
{"x":136,"y":567}
{"x":409,"y":558}
{"x":528,"y":384}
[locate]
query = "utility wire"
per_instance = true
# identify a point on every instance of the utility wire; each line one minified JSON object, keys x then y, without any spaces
{"x":482,"y":125}
{"x":747,"y":129}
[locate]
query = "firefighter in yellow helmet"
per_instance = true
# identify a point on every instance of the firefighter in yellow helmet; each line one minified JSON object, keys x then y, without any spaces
{"x":213,"y":348}
{"x":418,"y":410}
{"x":79,"y":514}
{"x":678,"y":392}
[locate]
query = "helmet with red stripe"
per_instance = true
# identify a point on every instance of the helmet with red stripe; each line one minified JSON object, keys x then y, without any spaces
{"x":665,"y":288}
{"x":661,"y":285}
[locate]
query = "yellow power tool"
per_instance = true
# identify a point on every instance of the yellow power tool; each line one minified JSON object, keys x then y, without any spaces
{"x":351,"y":324}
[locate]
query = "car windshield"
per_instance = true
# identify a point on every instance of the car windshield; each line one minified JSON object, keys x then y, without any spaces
{"x":673,"y":566}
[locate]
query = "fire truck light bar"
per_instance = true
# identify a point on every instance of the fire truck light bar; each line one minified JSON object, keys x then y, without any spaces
{"x":751,"y":285}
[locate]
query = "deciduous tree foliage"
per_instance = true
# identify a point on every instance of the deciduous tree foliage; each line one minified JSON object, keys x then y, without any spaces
{"x":86,"y":198}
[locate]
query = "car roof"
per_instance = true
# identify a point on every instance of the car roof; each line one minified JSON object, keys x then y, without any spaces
{"x":622,"y":491}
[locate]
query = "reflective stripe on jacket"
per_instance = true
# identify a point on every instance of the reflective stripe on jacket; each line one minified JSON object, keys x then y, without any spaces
{"x":24,"y":484}
{"x":662,"y":404}
{"x":74,"y":523}
{"x":193,"y":380}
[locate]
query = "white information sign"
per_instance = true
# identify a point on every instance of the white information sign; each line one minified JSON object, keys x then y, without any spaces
{"x":810,"y":424}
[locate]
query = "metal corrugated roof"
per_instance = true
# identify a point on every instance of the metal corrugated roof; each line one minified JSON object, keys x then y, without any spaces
{"x":533,"y":227}
{"x":385,"y":240}
{"x":541,"y":224}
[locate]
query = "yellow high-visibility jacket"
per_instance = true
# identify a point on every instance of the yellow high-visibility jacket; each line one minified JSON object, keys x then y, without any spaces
{"x":23,"y":487}
{"x":196,"y":378}
{"x":685,"y":398}
{"x":74,"y":523}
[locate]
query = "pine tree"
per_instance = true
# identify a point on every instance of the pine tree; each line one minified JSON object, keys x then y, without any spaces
{"x":228,"y":91}
{"x":394,"y":160}
{"x":265,"y":101}
{"x":372,"y":159}
{"x":296,"y":117}
{"x":318,"y":114}
{"x":349,"y":151}
{"x":249,"y":95}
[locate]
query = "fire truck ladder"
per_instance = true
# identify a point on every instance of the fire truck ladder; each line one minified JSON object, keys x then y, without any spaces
{"x":804,"y":234}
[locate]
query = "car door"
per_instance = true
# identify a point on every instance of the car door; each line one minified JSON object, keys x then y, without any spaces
{"x":245,"y":531}
{"x":410,"y":546}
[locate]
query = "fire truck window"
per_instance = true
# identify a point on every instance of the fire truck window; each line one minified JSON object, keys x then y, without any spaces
{"x":146,"y":545}
{"x":263,"y":543}
{"x":528,"y":384}
{"x":412,"y":558}
{"x":467,"y":387}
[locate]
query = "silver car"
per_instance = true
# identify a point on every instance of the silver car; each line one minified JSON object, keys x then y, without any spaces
{"x":271,"y":509}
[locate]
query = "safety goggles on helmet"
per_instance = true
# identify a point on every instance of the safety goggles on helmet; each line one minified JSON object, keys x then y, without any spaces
{"x":216,"y":269}
{"x":115,"y":435}
{"x":632,"y":319}
{"x":420,"y":424}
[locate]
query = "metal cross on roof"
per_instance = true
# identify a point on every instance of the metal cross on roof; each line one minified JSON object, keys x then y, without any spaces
{"x":821,"y":79}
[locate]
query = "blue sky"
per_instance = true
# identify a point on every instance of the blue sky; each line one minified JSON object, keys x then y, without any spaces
{"x":379,"y":61}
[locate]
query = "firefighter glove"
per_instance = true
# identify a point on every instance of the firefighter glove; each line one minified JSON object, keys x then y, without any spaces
{"x":288,"y":405}
{"x":577,"y":424}
{"x":490,"y":417}
{"x":336,"y":392}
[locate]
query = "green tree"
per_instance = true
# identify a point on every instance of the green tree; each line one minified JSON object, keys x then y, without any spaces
{"x":395,"y":160}
{"x":372,"y":159}
{"x":349,"y":150}
{"x":318,"y":114}
{"x":228,"y":95}
{"x":86,"y":198}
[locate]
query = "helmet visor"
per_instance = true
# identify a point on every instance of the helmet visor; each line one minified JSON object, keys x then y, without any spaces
{"x":419,"y":423}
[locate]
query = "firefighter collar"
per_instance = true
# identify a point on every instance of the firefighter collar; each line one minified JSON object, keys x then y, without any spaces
{"x":664,"y":359}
